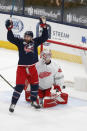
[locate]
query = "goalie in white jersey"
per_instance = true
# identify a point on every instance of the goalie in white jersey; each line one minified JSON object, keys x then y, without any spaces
{"x":50,"y":75}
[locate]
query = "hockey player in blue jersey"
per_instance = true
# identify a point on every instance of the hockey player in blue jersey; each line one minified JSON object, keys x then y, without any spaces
{"x":28,"y":57}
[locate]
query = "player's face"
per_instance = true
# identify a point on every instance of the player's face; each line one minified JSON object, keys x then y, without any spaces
{"x":46,"y":58}
{"x":27,"y":38}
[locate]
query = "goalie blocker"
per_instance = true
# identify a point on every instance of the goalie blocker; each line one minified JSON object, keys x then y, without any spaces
{"x":49,"y":101}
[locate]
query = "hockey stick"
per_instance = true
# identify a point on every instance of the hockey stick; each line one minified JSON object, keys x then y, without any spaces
{"x":6,"y":81}
{"x":12,"y":10}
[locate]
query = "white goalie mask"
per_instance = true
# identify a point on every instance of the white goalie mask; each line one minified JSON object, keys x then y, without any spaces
{"x":46,"y":55}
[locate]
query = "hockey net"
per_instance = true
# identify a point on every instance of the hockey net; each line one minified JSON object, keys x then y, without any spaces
{"x":67,"y":53}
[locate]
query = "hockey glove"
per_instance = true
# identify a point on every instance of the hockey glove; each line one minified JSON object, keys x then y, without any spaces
{"x":9,"y":24}
{"x":57,"y":88}
{"x":43,"y":22}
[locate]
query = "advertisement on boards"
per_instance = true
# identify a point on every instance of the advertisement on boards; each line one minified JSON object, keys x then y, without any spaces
{"x":58,"y":32}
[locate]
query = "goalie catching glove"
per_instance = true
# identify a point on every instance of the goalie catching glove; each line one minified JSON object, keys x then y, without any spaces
{"x":9,"y":24}
{"x":43,"y":21}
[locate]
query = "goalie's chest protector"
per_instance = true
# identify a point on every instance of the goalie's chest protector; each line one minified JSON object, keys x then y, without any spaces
{"x":46,"y":75}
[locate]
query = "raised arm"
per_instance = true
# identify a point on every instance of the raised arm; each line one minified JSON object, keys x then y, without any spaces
{"x":44,"y":36}
{"x":10,"y":36}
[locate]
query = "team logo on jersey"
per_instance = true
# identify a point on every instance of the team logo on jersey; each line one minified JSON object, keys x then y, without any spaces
{"x":44,"y":74}
{"x":29,"y":48}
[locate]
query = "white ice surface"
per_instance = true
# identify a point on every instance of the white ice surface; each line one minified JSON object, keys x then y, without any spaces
{"x":70,"y":117}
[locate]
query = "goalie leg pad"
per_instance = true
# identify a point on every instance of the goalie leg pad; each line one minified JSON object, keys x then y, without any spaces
{"x":48,"y":102}
{"x":55,"y":100}
{"x":47,"y":93}
{"x":65,"y":97}
{"x":62,"y":98}
{"x":44,"y":93}
{"x":41,"y":93}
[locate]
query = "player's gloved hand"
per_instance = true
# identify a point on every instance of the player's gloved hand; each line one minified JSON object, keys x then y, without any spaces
{"x":57,"y":88}
{"x":43,"y":21}
{"x":9,"y":24}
